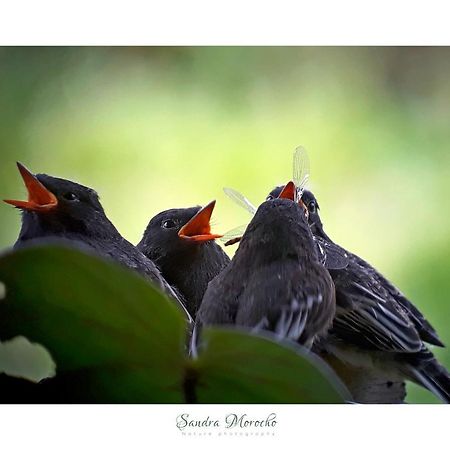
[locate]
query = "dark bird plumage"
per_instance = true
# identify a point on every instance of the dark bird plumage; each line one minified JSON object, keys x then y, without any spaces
{"x":68,"y":211}
{"x":376,"y":325}
{"x":186,"y":261}
{"x":275,"y":280}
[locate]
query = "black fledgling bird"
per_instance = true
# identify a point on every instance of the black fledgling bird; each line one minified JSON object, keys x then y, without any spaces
{"x":376,"y":326}
{"x":180,"y":242}
{"x":61,"y":209}
{"x":275,"y":280}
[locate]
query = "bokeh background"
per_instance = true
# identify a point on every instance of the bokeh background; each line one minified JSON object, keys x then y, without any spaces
{"x":156,"y":128}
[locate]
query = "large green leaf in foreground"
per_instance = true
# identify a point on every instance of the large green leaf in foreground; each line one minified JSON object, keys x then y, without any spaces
{"x":112,"y":335}
{"x":237,"y":367}
{"x":115,"y":338}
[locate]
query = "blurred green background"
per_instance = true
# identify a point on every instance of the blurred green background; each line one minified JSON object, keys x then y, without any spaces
{"x":156,"y":128}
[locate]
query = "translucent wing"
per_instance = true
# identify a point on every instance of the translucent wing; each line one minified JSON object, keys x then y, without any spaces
{"x":300,"y":169}
{"x":241,"y":200}
{"x":234,"y":235}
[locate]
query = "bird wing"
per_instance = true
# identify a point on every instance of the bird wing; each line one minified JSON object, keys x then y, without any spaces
{"x":368,"y":316}
{"x":292,"y":301}
{"x":424,"y":328}
{"x":331,"y":255}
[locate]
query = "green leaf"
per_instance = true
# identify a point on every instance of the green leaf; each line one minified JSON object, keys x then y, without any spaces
{"x":112,"y":335}
{"x":236,"y":367}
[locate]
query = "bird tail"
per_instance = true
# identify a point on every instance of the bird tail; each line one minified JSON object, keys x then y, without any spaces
{"x":429,"y":373}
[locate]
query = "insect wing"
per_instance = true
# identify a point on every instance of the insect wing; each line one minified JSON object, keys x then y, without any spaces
{"x":234,"y":235}
{"x":300,"y":169}
{"x":240,"y":200}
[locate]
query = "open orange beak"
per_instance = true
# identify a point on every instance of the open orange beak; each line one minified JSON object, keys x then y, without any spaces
{"x":289,"y":193}
{"x":39,"y":197}
{"x":198,"y":229}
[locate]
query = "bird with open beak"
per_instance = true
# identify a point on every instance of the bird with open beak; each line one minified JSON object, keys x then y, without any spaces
{"x":59,"y":209}
{"x":376,"y":330}
{"x":181,"y":243}
{"x":275,"y":280}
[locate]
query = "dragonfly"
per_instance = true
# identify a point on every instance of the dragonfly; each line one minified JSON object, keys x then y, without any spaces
{"x":300,"y":176}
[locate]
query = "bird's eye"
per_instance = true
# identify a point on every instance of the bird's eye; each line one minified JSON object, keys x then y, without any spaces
{"x":168,"y":224}
{"x":312,"y":206}
{"x":269,"y":197}
{"x":70,"y":196}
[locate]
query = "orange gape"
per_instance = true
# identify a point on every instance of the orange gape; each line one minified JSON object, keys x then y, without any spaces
{"x":198,"y":228}
{"x":39,"y":197}
{"x":289,"y":192}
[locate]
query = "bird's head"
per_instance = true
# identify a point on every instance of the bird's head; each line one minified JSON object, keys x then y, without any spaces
{"x":314,"y":221}
{"x":178,"y":230}
{"x":278,"y":216}
{"x":59,"y":205}
{"x":309,"y":201}
{"x":278,"y":230}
